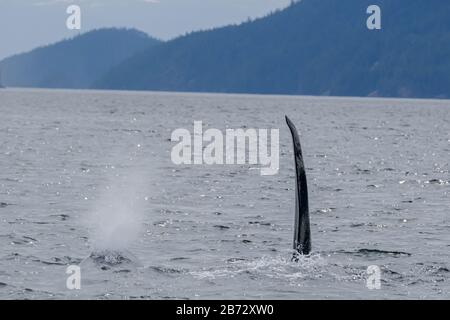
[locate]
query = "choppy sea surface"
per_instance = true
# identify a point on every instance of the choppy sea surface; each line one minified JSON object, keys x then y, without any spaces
{"x":82,"y":170}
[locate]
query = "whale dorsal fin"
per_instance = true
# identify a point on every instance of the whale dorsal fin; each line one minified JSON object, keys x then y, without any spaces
{"x":302,"y":232}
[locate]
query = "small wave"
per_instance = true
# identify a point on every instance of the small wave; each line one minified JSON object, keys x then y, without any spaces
{"x":261,"y":223}
{"x":375,"y":252}
{"x":62,"y":217}
{"x":64,"y":261}
{"x":437,"y":181}
{"x":5,"y":204}
{"x":222,"y":227}
{"x":21,"y":240}
{"x":324,"y":210}
{"x":166,"y":270}
{"x":179,"y":258}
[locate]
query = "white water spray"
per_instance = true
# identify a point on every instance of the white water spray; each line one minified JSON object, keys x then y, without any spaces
{"x":116,"y":220}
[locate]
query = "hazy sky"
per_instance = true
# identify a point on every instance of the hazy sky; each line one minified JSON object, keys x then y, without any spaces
{"x":26,"y":24}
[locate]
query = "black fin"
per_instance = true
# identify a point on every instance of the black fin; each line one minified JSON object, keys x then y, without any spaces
{"x":302,"y":232}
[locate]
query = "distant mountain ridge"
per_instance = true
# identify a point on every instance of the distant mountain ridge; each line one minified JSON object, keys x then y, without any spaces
{"x":75,"y":62}
{"x":313,"y":47}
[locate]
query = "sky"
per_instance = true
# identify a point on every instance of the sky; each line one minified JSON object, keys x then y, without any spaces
{"x":26,"y":24}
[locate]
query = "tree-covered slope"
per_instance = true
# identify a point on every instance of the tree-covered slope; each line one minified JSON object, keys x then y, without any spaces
{"x":317,"y":47}
{"x":76,"y":62}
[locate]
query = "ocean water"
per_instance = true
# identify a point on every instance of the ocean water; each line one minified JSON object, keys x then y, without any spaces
{"x":86,"y":179}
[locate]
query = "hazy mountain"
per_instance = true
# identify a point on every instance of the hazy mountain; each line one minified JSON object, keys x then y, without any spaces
{"x":76,"y":62}
{"x":317,"y":47}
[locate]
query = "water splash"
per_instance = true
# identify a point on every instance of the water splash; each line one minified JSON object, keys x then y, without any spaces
{"x":280,"y":266}
{"x":115,"y":223}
